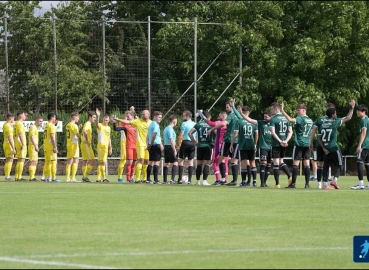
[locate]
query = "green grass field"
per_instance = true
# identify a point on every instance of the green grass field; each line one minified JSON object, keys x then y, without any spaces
{"x":113,"y":225}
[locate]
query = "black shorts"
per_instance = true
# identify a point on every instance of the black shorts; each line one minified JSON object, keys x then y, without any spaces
{"x":224,"y":149}
{"x":246,"y":155}
{"x":169,"y":156}
{"x":363,"y":156}
{"x":265,"y":155}
{"x":204,"y":153}
{"x":334,"y":158}
{"x":319,"y":154}
{"x":187,"y":150}
{"x":301,"y":152}
{"x":155,"y":152}
{"x":278,"y":152}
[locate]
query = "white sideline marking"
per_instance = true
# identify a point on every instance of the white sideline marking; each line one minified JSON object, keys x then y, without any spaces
{"x":87,"y":266}
{"x":144,"y":253}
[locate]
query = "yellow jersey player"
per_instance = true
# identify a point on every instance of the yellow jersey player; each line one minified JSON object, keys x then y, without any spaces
{"x":103,"y":146}
{"x":33,"y":147}
{"x":73,"y":135}
{"x":123,"y":146}
{"x":20,"y":144}
{"x":50,"y":148}
{"x":88,"y":156}
{"x":8,"y":145}
{"x":142,"y":127}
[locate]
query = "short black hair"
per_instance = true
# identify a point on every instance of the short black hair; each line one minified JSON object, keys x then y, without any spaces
{"x":206,"y":113}
{"x":50,"y":115}
{"x":362,"y":108}
{"x":9,"y":115}
{"x":20,"y":112}
{"x":330,"y":112}
{"x":245,"y":109}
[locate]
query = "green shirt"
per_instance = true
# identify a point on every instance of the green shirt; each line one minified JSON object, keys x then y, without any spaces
{"x":329,"y":133}
{"x":280,"y":124}
{"x":204,"y":139}
{"x":302,"y":131}
{"x":246,"y":131}
{"x":265,"y":137}
{"x":231,"y":119}
{"x":364,"y":123}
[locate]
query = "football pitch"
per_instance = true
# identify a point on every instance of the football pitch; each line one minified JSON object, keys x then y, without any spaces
{"x":114,"y":225}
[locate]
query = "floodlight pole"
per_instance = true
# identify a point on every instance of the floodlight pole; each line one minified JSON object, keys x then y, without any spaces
{"x":6,"y":63}
{"x":195,"y":68}
{"x":55,"y":65}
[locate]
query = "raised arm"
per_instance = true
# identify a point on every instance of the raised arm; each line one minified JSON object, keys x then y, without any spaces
{"x":349,"y":114}
{"x":118,"y":128}
{"x":289,"y":118}
{"x":247,"y":118}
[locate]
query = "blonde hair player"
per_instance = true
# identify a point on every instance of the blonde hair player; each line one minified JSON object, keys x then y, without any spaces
{"x":8,"y":145}
{"x":20,"y":144}
{"x":73,"y":136}
{"x":33,"y":148}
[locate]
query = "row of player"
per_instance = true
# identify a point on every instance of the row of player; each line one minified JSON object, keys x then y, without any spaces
{"x":236,"y":137}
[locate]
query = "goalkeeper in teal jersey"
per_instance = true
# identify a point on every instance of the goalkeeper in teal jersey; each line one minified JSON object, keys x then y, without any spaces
{"x":204,"y":145}
{"x":327,"y":139}
{"x":248,"y":135}
{"x":301,"y":149}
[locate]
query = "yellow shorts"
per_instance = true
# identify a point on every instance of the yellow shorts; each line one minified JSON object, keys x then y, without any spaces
{"x":20,"y":154}
{"x":123,"y":153}
{"x":73,"y":151}
{"x":87,"y":152}
{"x":102,"y":153}
{"x":50,"y":155}
{"x":142,"y":152}
{"x":8,"y":151}
{"x":32,"y":154}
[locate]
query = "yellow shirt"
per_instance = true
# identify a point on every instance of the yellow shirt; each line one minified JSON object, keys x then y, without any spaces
{"x":19,"y":129}
{"x":33,"y":131}
{"x":8,"y":130}
{"x":142,"y":128}
{"x":50,"y":128}
{"x":72,"y":131}
{"x":103,"y":134}
{"x":88,"y":128}
{"x":122,"y":137}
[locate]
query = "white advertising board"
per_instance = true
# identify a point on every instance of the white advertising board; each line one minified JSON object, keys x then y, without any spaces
{"x":27,"y":124}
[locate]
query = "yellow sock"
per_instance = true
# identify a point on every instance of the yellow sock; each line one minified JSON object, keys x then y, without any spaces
{"x":53,"y":169}
{"x":84,"y":171}
{"x":67,"y":171}
{"x":16,"y":170}
{"x":47,"y":169}
{"x":20,"y":169}
{"x":103,"y":173}
{"x":74,"y":171}
{"x":89,"y":169}
{"x":6,"y":169}
{"x":121,"y":168}
{"x":144,"y":171}
{"x":44,"y":170}
{"x":98,"y":172}
{"x":138,"y":171}
{"x":32,"y":171}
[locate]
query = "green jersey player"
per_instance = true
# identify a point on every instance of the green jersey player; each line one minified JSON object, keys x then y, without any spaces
{"x":247,"y":134}
{"x":281,"y":133}
{"x":301,"y":149}
{"x":204,"y":145}
{"x":362,"y":149}
{"x":327,"y":139}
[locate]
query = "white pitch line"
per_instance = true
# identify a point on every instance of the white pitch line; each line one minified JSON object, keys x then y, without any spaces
{"x":144,"y":253}
{"x":87,"y":266}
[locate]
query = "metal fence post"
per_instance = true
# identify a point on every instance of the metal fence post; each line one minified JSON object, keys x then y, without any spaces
{"x":103,"y":63}
{"x":55,"y":65}
{"x":149,"y":60}
{"x":195,"y":67}
{"x":6,"y":63}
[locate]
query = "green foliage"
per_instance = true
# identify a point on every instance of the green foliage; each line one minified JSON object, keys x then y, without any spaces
{"x":310,"y":52}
